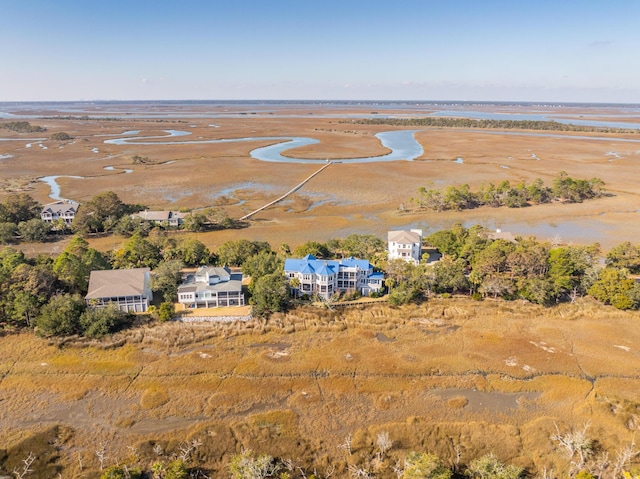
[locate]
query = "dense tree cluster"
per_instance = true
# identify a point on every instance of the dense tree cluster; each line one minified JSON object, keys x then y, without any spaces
{"x":364,"y":246}
{"x":47,"y":293}
{"x":23,"y":127}
{"x":209,"y":219}
{"x":526,"y":269}
{"x":539,"y":272}
{"x":436,"y":122}
{"x":43,"y":293}
{"x":104,"y":213}
{"x":563,"y":189}
{"x":20,"y":220}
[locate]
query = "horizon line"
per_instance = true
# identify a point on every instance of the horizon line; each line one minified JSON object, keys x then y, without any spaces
{"x":314,"y":100}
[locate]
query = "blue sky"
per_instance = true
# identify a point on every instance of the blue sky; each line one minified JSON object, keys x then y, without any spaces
{"x":537,"y":50}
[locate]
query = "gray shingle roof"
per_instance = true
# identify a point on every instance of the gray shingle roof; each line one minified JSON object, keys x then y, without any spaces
{"x":117,"y":282}
{"x":60,"y":207}
{"x":403,"y":237}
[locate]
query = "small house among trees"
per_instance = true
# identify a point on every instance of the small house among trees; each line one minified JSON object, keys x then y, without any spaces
{"x":129,"y":289}
{"x":169,"y":218}
{"x":64,"y":210}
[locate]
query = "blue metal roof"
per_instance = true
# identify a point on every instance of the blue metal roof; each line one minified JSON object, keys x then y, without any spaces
{"x":309,"y":264}
{"x":360,"y":263}
{"x":307,"y":268}
{"x":326,"y":270}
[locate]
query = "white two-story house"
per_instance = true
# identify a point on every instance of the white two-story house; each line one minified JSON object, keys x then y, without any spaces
{"x":328,"y":277}
{"x":65,"y":210}
{"x":405,"y":245}
{"x":211,"y":287}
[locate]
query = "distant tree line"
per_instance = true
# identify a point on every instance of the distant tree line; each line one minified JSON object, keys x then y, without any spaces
{"x":23,"y":127}
{"x":90,"y":118}
{"x":437,"y":122}
{"x":563,"y":189}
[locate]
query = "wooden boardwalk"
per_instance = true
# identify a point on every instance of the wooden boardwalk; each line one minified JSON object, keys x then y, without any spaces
{"x":291,"y":191}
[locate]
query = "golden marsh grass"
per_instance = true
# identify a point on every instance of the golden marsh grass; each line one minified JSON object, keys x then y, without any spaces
{"x":447,"y":370}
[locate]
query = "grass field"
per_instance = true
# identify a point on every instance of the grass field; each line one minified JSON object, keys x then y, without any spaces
{"x":481,"y":376}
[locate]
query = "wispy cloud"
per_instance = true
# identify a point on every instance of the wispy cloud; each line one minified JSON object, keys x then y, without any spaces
{"x":601,"y":43}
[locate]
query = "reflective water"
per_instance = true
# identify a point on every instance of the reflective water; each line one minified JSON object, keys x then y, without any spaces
{"x":54,"y":186}
{"x":402,"y":144}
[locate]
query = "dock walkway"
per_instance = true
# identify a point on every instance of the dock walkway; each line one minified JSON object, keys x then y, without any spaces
{"x":291,"y":191}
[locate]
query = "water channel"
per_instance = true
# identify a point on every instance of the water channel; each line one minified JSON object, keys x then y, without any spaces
{"x":402,"y":144}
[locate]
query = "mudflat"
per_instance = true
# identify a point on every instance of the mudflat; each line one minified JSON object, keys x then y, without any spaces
{"x":345,"y":198}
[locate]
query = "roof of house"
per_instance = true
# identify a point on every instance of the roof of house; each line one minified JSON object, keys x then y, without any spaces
{"x":234,"y":284}
{"x":404,"y":236}
{"x":309,"y":264}
{"x":353,"y":263}
{"x":60,"y":207}
{"x":326,"y":270}
{"x":205,"y":272}
{"x":151,"y":215}
{"x":196,"y":281}
{"x":118,"y":282}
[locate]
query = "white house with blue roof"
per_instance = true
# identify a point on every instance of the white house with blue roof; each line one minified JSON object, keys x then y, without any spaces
{"x":328,"y":277}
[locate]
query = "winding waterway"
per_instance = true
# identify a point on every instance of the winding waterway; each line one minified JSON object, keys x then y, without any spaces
{"x":403,"y":146}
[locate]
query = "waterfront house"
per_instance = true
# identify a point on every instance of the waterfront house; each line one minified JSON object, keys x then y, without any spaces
{"x":405,"y":245}
{"x":64,"y":209}
{"x":211,"y":287}
{"x":328,"y":277}
{"x":127,"y":288}
{"x":168,"y":218}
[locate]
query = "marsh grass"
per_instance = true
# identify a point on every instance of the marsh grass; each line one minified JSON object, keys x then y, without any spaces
{"x":154,"y":396}
{"x":298,"y":384}
{"x":457,"y":402}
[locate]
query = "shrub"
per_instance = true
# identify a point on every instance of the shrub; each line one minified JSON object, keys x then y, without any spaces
{"x":99,"y":322}
{"x":425,"y":466}
{"x":121,"y":472}
{"x":61,"y":136}
{"x":488,"y":467}
{"x":165,"y":312}
{"x":246,"y":466}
